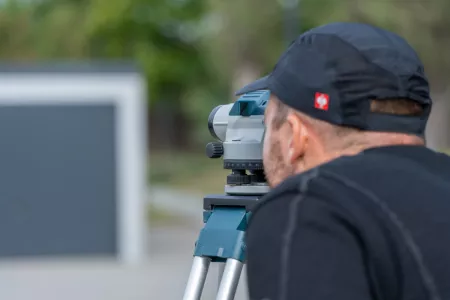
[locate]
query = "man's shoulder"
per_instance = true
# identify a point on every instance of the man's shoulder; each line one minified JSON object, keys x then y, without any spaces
{"x":389,"y":202}
{"x":324,"y":181}
{"x":315,"y":184}
{"x":359,"y":176}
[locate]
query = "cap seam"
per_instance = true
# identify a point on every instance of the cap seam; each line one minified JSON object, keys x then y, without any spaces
{"x":357,"y":50}
{"x":400,"y":91}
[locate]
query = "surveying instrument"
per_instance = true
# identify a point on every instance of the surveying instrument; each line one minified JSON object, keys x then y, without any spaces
{"x":239,"y":129}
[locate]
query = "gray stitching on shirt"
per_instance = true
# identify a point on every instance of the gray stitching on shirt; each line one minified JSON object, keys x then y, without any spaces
{"x":410,"y":243}
{"x":289,"y":232}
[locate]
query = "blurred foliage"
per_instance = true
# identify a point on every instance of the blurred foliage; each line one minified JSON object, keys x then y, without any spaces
{"x":195,"y":53}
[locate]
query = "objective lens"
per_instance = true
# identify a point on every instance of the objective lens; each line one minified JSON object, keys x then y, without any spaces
{"x":211,"y":122}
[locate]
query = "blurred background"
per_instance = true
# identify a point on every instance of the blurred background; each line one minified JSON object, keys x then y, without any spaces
{"x":193,"y":55}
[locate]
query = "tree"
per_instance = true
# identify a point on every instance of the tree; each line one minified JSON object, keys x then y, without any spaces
{"x":196,"y":53}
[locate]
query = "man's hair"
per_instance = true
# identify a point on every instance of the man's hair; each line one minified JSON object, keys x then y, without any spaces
{"x":343,"y":136}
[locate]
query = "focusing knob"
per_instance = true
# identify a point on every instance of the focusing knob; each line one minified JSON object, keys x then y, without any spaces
{"x":214,"y":150}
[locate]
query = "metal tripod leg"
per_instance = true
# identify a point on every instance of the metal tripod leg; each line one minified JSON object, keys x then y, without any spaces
{"x":197,"y":278}
{"x":221,"y":269}
{"x":222,"y":238}
{"x":230,"y":280}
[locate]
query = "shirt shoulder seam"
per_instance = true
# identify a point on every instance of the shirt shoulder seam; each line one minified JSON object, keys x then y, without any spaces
{"x":395,"y":220}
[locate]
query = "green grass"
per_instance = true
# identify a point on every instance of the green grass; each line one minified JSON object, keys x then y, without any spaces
{"x":157,"y":216}
{"x":192,"y":172}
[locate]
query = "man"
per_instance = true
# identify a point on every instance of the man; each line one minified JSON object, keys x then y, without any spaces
{"x":360,"y":208}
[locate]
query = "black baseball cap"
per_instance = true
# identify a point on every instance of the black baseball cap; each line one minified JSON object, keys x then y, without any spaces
{"x":332,"y":72}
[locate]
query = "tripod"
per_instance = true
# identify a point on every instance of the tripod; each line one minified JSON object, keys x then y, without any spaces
{"x":221,"y":240}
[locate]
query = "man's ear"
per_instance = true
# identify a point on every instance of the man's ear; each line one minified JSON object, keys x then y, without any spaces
{"x":299,"y":138}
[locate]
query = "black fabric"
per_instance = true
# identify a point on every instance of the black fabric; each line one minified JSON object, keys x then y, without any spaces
{"x":352,"y":63}
{"x":372,"y":226}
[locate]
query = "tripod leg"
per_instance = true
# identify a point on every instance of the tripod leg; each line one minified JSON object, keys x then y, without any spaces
{"x":230,"y":280}
{"x":197,"y":278}
{"x":221,"y":268}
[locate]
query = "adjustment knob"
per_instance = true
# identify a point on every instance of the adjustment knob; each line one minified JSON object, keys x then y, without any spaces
{"x":238,"y":179}
{"x":214,"y":150}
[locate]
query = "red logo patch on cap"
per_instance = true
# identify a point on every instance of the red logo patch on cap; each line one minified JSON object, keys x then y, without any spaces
{"x":321,"y":101}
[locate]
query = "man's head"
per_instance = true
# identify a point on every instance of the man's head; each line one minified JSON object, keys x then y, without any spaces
{"x":339,"y":89}
{"x":295,"y":142}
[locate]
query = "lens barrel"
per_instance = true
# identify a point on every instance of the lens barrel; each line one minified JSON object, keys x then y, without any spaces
{"x":211,"y":122}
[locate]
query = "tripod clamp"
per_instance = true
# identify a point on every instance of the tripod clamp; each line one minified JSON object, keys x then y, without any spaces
{"x":221,"y":240}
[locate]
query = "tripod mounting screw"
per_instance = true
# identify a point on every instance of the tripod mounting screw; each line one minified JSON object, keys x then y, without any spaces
{"x":214,"y":150}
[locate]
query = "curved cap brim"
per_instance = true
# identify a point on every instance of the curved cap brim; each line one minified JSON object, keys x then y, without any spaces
{"x":260,"y":84}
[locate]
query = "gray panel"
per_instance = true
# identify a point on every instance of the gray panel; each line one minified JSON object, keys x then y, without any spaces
{"x":57,"y":180}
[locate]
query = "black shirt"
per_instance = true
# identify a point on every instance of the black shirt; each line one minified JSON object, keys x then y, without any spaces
{"x":371,"y":226}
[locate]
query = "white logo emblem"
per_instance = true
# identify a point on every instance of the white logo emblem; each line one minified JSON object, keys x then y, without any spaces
{"x":322,"y":101}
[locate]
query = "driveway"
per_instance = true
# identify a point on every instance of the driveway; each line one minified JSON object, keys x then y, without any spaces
{"x":163,"y":276}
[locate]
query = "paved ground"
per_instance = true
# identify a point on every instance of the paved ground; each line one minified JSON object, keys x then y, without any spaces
{"x":162,"y":277}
